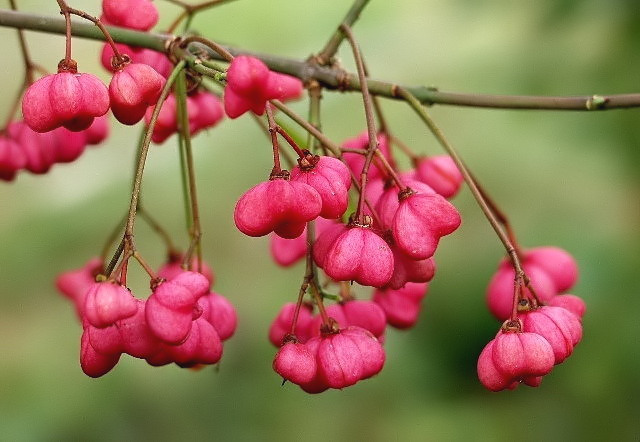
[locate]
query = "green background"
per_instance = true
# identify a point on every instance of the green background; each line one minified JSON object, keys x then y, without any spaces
{"x":568,"y":179}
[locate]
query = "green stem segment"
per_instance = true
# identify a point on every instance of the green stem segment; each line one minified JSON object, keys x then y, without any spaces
{"x":195,"y":231}
{"x":329,"y":78}
{"x":330,"y":49}
{"x":371,"y":124}
{"x":127,"y":245}
{"x":468,"y":178}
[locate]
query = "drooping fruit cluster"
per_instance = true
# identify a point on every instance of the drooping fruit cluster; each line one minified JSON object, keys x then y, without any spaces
{"x":250,"y":84}
{"x":388,"y":243}
{"x":334,"y":360}
{"x":141,"y":15}
{"x":547,"y":325}
{"x":388,"y":246}
{"x":21,"y":148}
{"x":181,"y":322}
{"x":552,"y":271}
{"x":66,"y":99}
{"x":134,"y":88}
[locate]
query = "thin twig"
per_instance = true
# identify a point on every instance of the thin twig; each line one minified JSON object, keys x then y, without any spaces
{"x":196,"y":232}
{"x":332,"y":78}
{"x":371,"y":124}
{"x":334,"y":148}
{"x":437,"y":132}
{"x":273,"y":130}
{"x":191,"y":10}
{"x":324,"y":56}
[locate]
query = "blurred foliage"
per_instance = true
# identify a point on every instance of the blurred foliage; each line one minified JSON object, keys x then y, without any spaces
{"x":567,"y":179}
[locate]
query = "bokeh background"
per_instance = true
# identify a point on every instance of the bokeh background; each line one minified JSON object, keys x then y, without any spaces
{"x":566,"y":178}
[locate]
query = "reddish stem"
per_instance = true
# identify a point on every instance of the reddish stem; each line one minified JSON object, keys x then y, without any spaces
{"x":289,"y":140}
{"x":64,"y":10}
{"x":273,"y":130}
{"x":67,"y":12}
{"x":517,"y":295}
{"x":144,"y":265}
{"x":371,"y":125}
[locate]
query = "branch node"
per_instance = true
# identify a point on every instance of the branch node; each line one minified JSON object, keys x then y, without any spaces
{"x":596,"y":102}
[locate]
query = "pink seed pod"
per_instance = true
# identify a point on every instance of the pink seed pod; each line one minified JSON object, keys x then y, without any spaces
{"x":356,"y":161}
{"x":64,"y":99}
{"x":12,"y":158}
{"x":335,"y":312}
{"x":133,"y":14}
{"x":324,"y":242}
{"x":410,"y":174}
{"x":107,"y":302}
{"x":98,"y":131}
{"x":174,"y":268}
{"x":359,"y":255}
{"x":106,"y":341}
{"x":500,"y":289}
{"x":406,"y":270}
{"x":197,"y":283}
{"x":132,"y":90}
{"x":513,"y":357}
{"x":521,"y":355}
{"x":295,"y":363}
{"x":68,"y":145}
{"x":346,"y":357}
{"x":371,"y":350}
{"x":201,"y":346}
{"x":441,"y":173}
{"x":571,"y":323}
{"x":331,"y":179}
{"x":420,"y":221}
{"x":489,"y":375}
{"x":557,"y":263}
{"x":93,"y":363}
{"x":317,"y":384}
{"x":367,"y":315}
{"x":553,"y":325}
{"x":402,"y":306}
{"x":74,"y":284}
{"x":246,"y":89}
{"x":39,"y":148}
{"x":286,"y":252}
{"x":279,"y":206}
{"x":570,"y":302}
{"x":281,"y":325}
{"x":339,"y":361}
{"x":171,"y":308}
{"x":283,"y":87}
{"x":388,"y":202}
{"x":374,"y":190}
{"x":210,"y":112}
{"x":220,"y":313}
{"x":166,"y":124}
{"x":250,"y":84}
{"x":160,"y":357}
{"x":157,"y":60}
{"x":137,"y":339}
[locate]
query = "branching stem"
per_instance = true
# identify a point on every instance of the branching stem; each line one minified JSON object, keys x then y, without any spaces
{"x":477,"y":194}
{"x":371,"y":124}
{"x":183,"y":124}
{"x":330,"y":78}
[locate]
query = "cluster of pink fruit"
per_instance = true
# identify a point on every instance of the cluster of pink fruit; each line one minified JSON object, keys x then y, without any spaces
{"x":181,"y":322}
{"x":539,"y":336}
{"x":387,"y":244}
{"x":392,"y":251}
{"x":21,"y":148}
{"x":65,"y":112}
